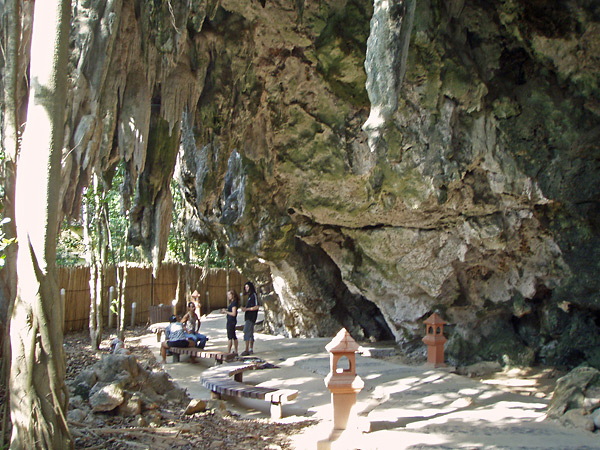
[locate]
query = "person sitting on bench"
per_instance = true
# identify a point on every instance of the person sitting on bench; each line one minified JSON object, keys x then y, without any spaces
{"x":192,"y":326}
{"x":175,"y":337}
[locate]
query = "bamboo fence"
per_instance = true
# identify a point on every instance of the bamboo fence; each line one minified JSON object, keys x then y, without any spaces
{"x":171,"y":282}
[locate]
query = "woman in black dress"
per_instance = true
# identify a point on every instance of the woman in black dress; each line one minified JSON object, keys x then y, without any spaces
{"x":233,"y":300}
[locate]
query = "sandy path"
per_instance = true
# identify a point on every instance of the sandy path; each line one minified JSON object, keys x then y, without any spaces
{"x":403,"y":406}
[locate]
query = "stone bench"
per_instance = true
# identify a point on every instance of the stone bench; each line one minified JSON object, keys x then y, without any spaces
{"x":219,"y":357}
{"x":158,"y":329}
{"x":219,"y":381}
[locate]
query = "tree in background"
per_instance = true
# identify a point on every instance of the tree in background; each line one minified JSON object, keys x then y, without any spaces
{"x":96,"y":233}
{"x":72,"y":248}
{"x":180,"y":246}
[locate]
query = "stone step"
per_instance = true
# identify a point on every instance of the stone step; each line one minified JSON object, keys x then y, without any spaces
{"x":377,"y":352}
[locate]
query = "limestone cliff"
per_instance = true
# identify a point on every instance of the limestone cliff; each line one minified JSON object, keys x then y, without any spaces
{"x":375,"y":162}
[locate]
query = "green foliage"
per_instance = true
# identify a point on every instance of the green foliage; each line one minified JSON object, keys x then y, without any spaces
{"x":213,"y":257}
{"x":4,"y":242}
{"x":180,"y":247}
{"x":114,"y":306}
{"x":70,"y":250}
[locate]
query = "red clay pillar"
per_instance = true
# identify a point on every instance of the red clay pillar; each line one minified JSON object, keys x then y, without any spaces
{"x":435,"y":340}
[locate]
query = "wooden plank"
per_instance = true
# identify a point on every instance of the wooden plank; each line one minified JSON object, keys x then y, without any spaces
{"x":201,"y":353}
{"x":218,"y":381}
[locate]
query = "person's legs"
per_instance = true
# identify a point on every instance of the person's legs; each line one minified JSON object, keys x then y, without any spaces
{"x":248,"y":337}
{"x":245,"y":352}
{"x":251,"y":337}
{"x":192,"y":343}
{"x":192,"y":336}
{"x":232,"y":338}
{"x":164,"y":346}
{"x":201,"y":340}
{"x":163,"y":351}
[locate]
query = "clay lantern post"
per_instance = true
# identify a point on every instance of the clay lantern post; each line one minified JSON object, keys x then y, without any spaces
{"x":435,"y":340}
{"x":195,"y":296}
{"x":343,"y":383}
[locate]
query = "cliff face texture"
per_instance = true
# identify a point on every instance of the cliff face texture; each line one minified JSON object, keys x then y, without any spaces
{"x":374,"y":162}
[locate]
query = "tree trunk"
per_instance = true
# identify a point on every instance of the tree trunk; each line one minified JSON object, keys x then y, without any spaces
{"x":87,"y":213}
{"x":121,"y":304}
{"x":122,"y":284}
{"x":179,"y":291}
{"x":39,"y":397}
{"x":8,"y":148}
{"x":96,"y":241}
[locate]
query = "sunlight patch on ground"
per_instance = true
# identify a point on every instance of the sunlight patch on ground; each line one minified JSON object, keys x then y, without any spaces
{"x":277,"y":382}
{"x":511,"y":382}
{"x":469,"y":391}
{"x":503,"y":412}
{"x":439,"y":399}
{"x":432,"y":378}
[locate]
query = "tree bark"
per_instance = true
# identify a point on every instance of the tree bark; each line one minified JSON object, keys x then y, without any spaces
{"x":96,"y":242}
{"x":11,"y":21}
{"x":121,"y":303}
{"x":39,"y":397}
{"x":122,"y":284}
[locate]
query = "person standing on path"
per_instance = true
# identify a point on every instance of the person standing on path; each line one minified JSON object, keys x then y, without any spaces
{"x":232,"y":308}
{"x":250,"y":316}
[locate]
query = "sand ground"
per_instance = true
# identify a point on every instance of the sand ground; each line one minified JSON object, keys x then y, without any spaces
{"x":400,"y":407}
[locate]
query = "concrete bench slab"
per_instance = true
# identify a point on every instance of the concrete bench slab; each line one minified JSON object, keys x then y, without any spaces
{"x":218,"y":380}
{"x":158,"y":329}
{"x":219,"y":357}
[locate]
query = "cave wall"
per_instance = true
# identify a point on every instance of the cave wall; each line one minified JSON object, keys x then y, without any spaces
{"x":453,"y":171}
{"x":474,"y":194}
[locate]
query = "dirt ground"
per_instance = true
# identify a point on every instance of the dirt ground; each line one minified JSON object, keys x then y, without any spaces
{"x":210,"y":430}
{"x":198,"y":431}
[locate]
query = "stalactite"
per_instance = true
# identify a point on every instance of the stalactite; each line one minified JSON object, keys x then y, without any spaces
{"x":385,"y":63}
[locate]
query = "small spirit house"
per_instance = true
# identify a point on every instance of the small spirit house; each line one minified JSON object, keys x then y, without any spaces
{"x":435,"y":340}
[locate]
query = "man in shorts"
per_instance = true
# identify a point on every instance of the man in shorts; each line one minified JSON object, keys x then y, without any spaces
{"x":250,"y":316}
{"x":175,"y":337}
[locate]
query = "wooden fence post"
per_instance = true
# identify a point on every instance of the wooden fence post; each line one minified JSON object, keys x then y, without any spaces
{"x":133,"y":307}
{"x":111,"y":314}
